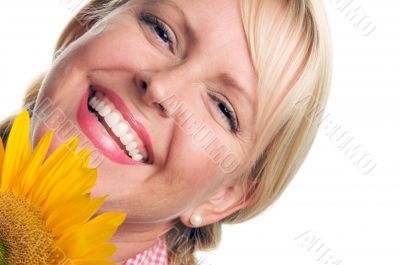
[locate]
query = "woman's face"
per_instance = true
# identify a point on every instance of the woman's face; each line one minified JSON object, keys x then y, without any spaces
{"x":167,"y":93}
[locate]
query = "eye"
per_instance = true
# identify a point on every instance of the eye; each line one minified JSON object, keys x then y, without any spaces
{"x":227,"y":113}
{"x":159,"y":28}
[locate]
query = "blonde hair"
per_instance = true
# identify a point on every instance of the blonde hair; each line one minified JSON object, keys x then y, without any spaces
{"x":290,"y":45}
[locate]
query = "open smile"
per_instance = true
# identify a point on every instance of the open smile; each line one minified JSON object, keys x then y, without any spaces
{"x":112,"y":128}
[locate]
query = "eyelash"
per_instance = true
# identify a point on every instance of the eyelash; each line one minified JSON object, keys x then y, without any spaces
{"x":221,"y":105}
{"x":156,"y":22}
{"x":227,"y":112}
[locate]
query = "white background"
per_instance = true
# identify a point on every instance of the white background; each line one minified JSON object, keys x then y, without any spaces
{"x":350,"y":214}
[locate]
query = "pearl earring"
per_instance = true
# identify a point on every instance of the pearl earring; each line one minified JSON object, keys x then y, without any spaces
{"x":196,"y":219}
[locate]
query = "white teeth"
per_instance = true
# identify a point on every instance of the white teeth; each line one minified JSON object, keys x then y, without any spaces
{"x":126,"y":139}
{"x":131,"y":146}
{"x":105,"y":111}
{"x":92,"y":101}
{"x":118,"y":125}
{"x":138,"y":157}
{"x":120,"y":129}
{"x":133,"y":152}
{"x":113,"y":118}
{"x":95,"y":102}
{"x":100,"y":106}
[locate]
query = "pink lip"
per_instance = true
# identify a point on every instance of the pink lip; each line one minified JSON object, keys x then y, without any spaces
{"x":102,"y":140}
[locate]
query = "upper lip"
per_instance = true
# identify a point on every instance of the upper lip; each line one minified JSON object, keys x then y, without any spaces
{"x":129,"y":117}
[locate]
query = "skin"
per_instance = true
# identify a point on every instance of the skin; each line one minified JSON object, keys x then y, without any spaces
{"x":124,"y":56}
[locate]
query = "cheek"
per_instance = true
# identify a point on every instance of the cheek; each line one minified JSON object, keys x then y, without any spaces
{"x":191,"y":162}
{"x":204,"y":148}
{"x":121,"y":45}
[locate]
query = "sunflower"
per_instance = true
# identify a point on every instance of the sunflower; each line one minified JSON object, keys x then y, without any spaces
{"x":46,"y":213}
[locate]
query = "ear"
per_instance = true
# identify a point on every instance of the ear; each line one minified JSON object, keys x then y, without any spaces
{"x":223,"y":203}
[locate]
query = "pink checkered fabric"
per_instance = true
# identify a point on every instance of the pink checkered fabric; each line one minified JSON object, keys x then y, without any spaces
{"x":156,"y":255}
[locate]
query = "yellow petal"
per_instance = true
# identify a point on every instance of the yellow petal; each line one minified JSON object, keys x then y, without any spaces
{"x":111,"y":218}
{"x":18,"y":150}
{"x":73,"y":185}
{"x":56,"y":166}
{"x":84,"y":156}
{"x":1,"y":156}
{"x":101,"y":252}
{"x":75,"y":212}
{"x":73,"y":244}
{"x":102,"y":227}
{"x":29,"y":174}
{"x":92,"y":262}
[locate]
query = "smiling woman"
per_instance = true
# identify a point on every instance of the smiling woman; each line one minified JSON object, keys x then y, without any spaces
{"x":170,"y":92}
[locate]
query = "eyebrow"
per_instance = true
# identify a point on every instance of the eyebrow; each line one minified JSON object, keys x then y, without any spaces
{"x":189,"y":31}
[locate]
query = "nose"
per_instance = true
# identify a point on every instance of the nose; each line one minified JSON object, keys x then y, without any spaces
{"x":154,"y":91}
{"x":165,"y":90}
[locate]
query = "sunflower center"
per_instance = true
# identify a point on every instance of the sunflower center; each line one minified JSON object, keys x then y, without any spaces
{"x":3,"y":253}
{"x":24,"y":238}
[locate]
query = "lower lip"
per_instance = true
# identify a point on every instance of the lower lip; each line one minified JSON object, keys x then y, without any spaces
{"x":101,"y":140}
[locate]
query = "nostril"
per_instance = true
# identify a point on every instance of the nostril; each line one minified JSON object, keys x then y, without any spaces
{"x":159,"y":106}
{"x":143,"y":85}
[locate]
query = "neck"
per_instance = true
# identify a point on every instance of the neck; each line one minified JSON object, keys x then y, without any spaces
{"x":132,"y":239}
